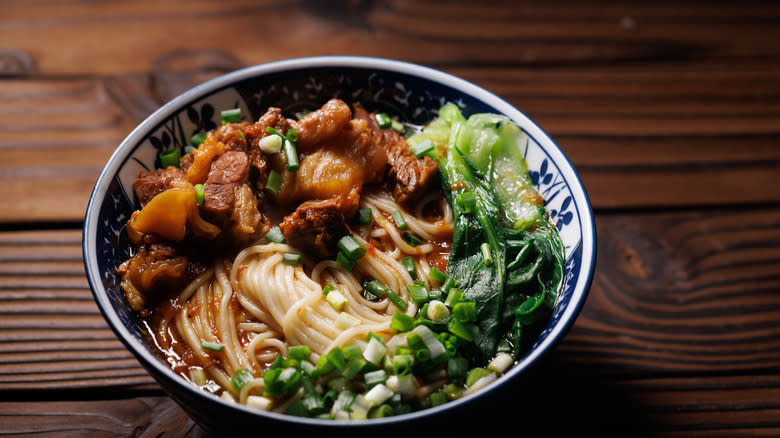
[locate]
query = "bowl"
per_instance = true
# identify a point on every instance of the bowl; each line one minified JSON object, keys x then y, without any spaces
{"x":412,"y":91}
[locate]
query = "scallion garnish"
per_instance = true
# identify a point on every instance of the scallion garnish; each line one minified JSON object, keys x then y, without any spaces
{"x":274,"y":182}
{"x":363,"y":216}
{"x":198,"y":138}
{"x":292,"y":259}
{"x":487,"y":257}
{"x":398,"y":218}
{"x":411,"y":239}
{"x":345,"y":261}
{"x":436,"y":274}
{"x":383,"y":120}
{"x":328,"y":289}
{"x":169,"y":158}
{"x":292,"y":135}
{"x":199,"y":193}
{"x":401,"y":322}
{"x":275,"y":235}
{"x":241,"y":378}
{"x":408,"y":264}
{"x":231,"y":115}
{"x":421,"y":148}
{"x":350,"y":247}
{"x":270,"y":144}
{"x":291,"y":154}
{"x":212,"y":346}
{"x":418,"y":293}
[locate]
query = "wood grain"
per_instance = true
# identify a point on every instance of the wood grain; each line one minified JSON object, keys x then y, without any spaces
{"x":625,"y":91}
{"x":669,"y":110}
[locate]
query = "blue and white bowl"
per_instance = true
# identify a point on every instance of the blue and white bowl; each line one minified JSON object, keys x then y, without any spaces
{"x":412,"y":92}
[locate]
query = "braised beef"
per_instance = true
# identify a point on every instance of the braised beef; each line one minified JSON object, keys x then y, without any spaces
{"x":323,"y":125}
{"x":408,"y":175}
{"x":228,"y":171}
{"x":150,"y":184}
{"x":272,"y":118}
{"x":153,"y":269}
{"x":315,"y":226}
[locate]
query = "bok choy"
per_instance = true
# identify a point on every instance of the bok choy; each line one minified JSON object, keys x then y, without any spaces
{"x":507,"y":256}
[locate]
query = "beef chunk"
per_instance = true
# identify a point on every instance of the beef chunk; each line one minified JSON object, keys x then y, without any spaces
{"x":232,"y":136}
{"x":150,"y":184}
{"x":408,"y":175}
{"x":254,"y":133}
{"x":228,"y":171}
{"x":323,"y":125}
{"x":315,"y":226}
{"x":154,"y":269}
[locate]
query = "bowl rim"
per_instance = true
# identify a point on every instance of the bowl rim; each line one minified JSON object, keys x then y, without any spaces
{"x":145,"y":127}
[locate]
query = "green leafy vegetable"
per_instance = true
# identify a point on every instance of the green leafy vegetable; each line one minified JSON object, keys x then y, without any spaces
{"x":507,"y":257}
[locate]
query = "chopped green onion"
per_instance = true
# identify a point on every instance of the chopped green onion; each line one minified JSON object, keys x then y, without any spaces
{"x":336,"y":357}
{"x":169,"y":158}
{"x":453,"y":297}
{"x":275,"y":235}
{"x":465,"y":331}
{"x":501,"y":363}
{"x":438,"y":311}
{"x":402,"y":364}
{"x":475,"y":374}
{"x":188,"y":149}
{"x":240,"y":378}
{"x":351,"y":351}
{"x":431,"y":341}
{"x":437,"y":275}
{"x":363,"y":216}
{"x":270,"y":144}
{"x":398,"y":218}
{"x":375,"y":351}
{"x":328,"y":289}
{"x":383,"y":120}
{"x":231,"y":115}
{"x":402,"y":384}
{"x":422,"y":148}
{"x":259,"y":402}
{"x":487,"y":257}
{"x":199,"y":193}
{"x":299,"y":352}
{"x":343,"y":402}
{"x":337,"y":300}
{"x":376,"y":288}
{"x":211,"y":346}
{"x":438,"y":398}
{"x":351,"y":248}
{"x":345,"y":321}
{"x":465,"y":311}
{"x":397,"y":126}
{"x":354,"y":366}
{"x":292,"y":156}
{"x":292,"y":259}
{"x":408,"y":264}
{"x":274,"y":182}
{"x":198,"y":138}
{"x":401,"y":322}
{"x":411,"y":239}
{"x":467,"y":201}
{"x":418,"y":293}
{"x":345,"y":261}
{"x":292,"y":135}
{"x":448,"y":284}
{"x":197,"y":376}
{"x":375,"y":377}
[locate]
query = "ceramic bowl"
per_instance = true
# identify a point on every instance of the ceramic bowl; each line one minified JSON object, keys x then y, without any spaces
{"x":411,"y":91}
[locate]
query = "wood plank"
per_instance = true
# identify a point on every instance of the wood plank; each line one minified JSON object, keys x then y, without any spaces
{"x":681,"y":291}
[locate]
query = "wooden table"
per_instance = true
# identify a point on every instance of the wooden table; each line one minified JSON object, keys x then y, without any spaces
{"x":669,"y":110}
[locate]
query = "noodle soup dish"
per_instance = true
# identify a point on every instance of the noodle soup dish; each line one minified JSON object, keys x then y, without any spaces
{"x":337,"y":241}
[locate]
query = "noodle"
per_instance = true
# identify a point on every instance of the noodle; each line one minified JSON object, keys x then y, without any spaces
{"x":256,"y":306}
